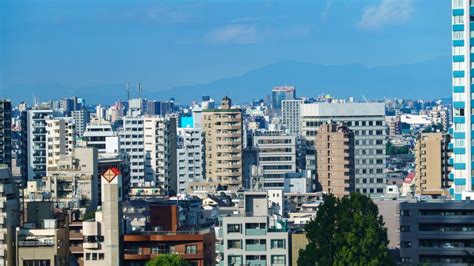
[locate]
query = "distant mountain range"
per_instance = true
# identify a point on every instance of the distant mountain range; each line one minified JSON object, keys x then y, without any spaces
{"x":424,"y":80}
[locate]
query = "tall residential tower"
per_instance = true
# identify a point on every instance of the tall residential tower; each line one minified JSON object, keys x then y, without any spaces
{"x":462,"y":114}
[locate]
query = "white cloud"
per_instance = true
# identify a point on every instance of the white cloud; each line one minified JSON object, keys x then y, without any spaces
{"x":237,"y":33}
{"x":388,"y":12}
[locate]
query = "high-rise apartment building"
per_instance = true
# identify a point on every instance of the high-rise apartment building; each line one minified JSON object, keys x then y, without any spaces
{"x":5,"y":132}
{"x":223,"y":145}
{"x":291,"y":116}
{"x":81,"y":119}
{"x":36,"y":142}
{"x":276,"y":154}
{"x":462,"y":110}
{"x":367,"y":121}
{"x":432,"y":164}
{"x":9,"y":217}
{"x":60,"y":139}
{"x":281,"y":93}
{"x":190,"y":144}
{"x":334,"y":150}
{"x":148,"y":141}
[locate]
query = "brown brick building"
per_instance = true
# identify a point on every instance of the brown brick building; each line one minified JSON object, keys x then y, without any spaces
{"x":196,"y":246}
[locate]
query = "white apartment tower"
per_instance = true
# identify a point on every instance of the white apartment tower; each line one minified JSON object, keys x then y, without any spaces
{"x":60,"y":139}
{"x":190,"y":154}
{"x":462,"y":141}
{"x":36,"y":142}
{"x":291,"y":114}
{"x":148,"y":140}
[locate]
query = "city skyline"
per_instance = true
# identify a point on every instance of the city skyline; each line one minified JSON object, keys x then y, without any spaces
{"x":167,"y":45}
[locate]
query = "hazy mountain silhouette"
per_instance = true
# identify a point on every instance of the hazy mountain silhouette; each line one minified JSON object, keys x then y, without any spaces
{"x":424,"y":80}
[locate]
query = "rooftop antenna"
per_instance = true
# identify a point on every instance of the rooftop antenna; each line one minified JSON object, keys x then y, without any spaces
{"x":140,"y":90}
{"x":365,"y":99}
{"x":128,"y":91}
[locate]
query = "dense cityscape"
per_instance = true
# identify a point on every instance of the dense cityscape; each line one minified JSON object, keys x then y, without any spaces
{"x":288,"y":179}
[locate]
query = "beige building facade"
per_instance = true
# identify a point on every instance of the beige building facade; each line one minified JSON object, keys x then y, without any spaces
{"x":223,"y":145}
{"x":334,"y":149}
{"x":432,"y":164}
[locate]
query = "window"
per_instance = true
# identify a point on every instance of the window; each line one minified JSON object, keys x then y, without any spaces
{"x":88,"y":256}
{"x":405,"y":228}
{"x":36,"y":262}
{"x":278,"y":259}
{"x":191,"y":249}
{"x":234,"y":228}
{"x":278,"y":243}
{"x":458,"y":3}
{"x":457,"y":35}
{"x":405,"y":244}
{"x":234,"y":244}
{"x":458,"y":19}
{"x":101,"y":256}
{"x":235,"y":260}
{"x":404,"y":213}
{"x":94,"y":256}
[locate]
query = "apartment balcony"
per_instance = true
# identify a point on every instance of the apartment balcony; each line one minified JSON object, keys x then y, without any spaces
{"x":75,"y":236}
{"x":256,"y":262}
{"x":257,"y":247}
{"x":91,"y":245}
{"x":255,"y":232}
{"x":76,"y":249}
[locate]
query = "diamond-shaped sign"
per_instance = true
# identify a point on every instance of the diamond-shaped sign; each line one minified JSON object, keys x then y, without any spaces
{"x":110,"y":174}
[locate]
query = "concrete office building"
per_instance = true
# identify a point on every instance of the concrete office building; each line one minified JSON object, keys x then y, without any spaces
{"x":73,"y":181}
{"x":291,"y":116}
{"x":190,"y":152}
{"x":81,"y":119}
{"x":223,"y":145}
{"x":5,"y":132}
{"x":367,"y":121}
{"x":9,"y":216}
{"x":96,"y":135}
{"x":432,"y":170}
{"x":276,"y":155}
{"x":281,"y":93}
{"x":334,"y":149}
{"x":60,"y":139}
{"x":436,"y":232}
{"x":36,"y":142}
{"x":462,"y":187}
{"x":150,"y":143}
{"x":103,"y":237}
{"x":254,"y":236}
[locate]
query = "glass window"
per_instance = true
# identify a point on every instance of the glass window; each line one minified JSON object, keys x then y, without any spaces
{"x":234,"y":228}
{"x":458,"y":19}
{"x":278,"y":243}
{"x":191,"y":249}
{"x":458,"y":3}
{"x":278,"y":259}
{"x":457,"y":35}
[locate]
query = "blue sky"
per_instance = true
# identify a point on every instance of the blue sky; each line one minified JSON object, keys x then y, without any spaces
{"x":74,"y":44}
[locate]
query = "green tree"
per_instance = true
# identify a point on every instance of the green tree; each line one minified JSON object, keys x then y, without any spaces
{"x":347,"y":231}
{"x":167,"y":260}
